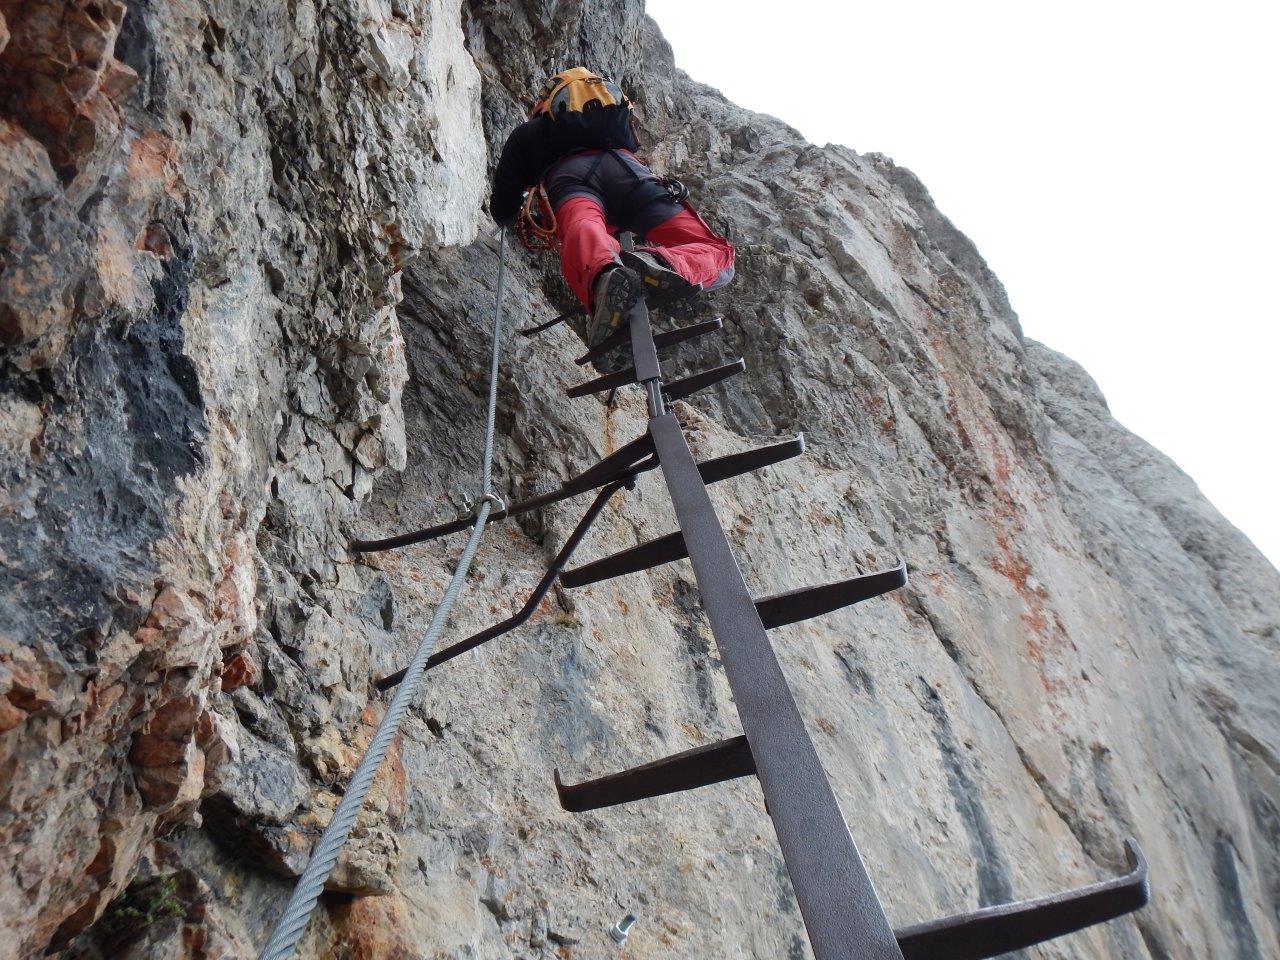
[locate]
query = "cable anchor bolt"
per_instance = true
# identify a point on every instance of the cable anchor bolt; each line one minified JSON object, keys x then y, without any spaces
{"x":469,"y":505}
{"x":499,"y":505}
{"x":465,"y":506}
{"x":620,"y":930}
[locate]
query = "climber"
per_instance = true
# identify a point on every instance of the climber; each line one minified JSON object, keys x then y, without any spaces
{"x":574,"y":162}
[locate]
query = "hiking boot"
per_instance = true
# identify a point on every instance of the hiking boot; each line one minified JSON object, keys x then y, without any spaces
{"x":664,"y":289}
{"x":615,"y":292}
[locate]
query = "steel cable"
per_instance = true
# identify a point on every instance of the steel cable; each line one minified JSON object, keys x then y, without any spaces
{"x":306,"y":893}
{"x":486,"y":480}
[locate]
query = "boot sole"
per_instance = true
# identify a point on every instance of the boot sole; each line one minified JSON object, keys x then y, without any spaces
{"x":620,"y":296}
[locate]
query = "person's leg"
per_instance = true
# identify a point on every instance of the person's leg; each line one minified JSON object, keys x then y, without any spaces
{"x":691,"y":249}
{"x":586,"y":246}
{"x":589,"y":263}
{"x":636,"y":198}
{"x":589,"y":249}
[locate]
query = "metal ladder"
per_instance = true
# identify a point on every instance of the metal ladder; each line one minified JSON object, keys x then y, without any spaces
{"x":842,"y":913}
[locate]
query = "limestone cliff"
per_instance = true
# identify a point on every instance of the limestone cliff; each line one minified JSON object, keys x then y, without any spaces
{"x":244,"y":304}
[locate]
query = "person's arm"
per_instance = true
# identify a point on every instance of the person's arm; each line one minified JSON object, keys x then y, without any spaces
{"x":517,"y":168}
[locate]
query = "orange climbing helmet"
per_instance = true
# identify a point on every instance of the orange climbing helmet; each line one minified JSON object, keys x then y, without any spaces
{"x":576,"y":91}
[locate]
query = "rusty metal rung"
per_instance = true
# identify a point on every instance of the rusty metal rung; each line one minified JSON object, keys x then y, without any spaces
{"x":533,"y":331}
{"x":621,"y":460}
{"x":699,"y":767}
{"x":609,"y":381}
{"x":652,"y":553}
{"x":1013,"y":926}
{"x":671,"y":547}
{"x":626,"y":459}
{"x":661,"y":341}
{"x":534,"y":599}
{"x":700,"y":381}
{"x":604,"y":346}
{"x":736,"y":464}
{"x":781,"y":609}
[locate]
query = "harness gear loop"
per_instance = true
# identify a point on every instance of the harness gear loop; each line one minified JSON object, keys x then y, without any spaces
{"x":536,"y":225}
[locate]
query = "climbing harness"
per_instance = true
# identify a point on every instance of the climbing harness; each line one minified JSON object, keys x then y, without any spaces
{"x":536,"y":223}
{"x":324,"y":856}
{"x":841,"y":910}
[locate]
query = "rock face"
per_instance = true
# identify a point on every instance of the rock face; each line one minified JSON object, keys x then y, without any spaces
{"x":245,"y":312}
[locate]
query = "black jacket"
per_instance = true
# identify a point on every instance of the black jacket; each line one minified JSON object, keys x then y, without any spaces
{"x":537,"y":144}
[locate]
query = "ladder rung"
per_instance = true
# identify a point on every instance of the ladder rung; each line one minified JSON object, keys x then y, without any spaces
{"x":736,"y":464}
{"x":609,"y":381}
{"x":700,"y":381}
{"x":531,"y":331}
{"x":535,"y":598}
{"x":626,"y":458}
{"x":669,"y":338}
{"x":995,"y":931}
{"x":661,"y":341}
{"x":781,"y":609}
{"x":605,"y":345}
{"x":671,"y":547}
{"x":699,"y":767}
{"x":652,"y":553}
{"x":615,"y":463}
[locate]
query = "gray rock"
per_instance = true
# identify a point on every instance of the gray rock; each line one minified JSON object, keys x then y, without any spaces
{"x":267,"y":784}
{"x":246,"y":317}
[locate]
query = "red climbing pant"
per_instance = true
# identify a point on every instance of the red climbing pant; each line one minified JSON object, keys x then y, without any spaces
{"x":588,"y":243}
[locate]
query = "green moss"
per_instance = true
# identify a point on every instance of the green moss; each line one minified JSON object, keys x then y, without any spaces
{"x":144,"y":903}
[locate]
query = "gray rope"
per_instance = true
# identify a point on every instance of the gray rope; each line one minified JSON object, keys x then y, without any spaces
{"x":302,"y":902}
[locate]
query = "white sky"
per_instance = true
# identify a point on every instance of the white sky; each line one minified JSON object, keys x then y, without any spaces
{"x":1116,"y":164}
